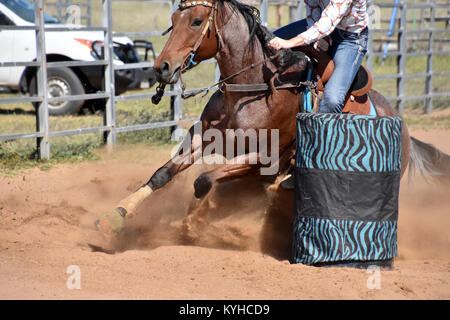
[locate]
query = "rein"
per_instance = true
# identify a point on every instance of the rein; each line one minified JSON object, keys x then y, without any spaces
{"x":223,"y":81}
{"x":228,"y":87}
{"x":189,"y":4}
{"x":190,"y":58}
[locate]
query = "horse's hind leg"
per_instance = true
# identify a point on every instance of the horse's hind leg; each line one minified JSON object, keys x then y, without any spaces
{"x":203,"y":203}
{"x":202,"y":211}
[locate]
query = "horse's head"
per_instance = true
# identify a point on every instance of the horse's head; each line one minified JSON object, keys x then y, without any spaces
{"x":193,"y":32}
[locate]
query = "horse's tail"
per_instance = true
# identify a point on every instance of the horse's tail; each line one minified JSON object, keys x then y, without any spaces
{"x":429,"y":161}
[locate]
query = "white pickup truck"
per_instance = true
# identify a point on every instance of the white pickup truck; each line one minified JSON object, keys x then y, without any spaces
{"x":20,"y":46}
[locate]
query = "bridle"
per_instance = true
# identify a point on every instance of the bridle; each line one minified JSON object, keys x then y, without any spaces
{"x":190,"y":63}
{"x":189,"y":60}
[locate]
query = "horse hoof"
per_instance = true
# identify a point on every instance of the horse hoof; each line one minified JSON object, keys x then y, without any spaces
{"x":108,"y":226}
{"x":202,"y":185}
{"x":110,"y":222}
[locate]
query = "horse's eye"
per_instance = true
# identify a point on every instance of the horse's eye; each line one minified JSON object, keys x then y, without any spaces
{"x":197,"y":22}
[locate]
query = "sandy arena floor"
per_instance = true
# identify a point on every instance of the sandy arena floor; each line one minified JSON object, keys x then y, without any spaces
{"x":45,"y":217}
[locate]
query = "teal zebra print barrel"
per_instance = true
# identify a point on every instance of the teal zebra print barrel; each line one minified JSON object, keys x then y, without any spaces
{"x":347,"y":180}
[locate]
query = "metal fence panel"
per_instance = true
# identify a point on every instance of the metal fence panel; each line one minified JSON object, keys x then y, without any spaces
{"x":42,"y":121}
{"x":110,"y":112}
{"x":296,"y":11}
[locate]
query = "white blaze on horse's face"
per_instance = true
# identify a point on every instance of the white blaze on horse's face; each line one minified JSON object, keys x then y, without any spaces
{"x":188,"y":25}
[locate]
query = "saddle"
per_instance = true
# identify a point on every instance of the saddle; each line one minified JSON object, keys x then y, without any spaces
{"x":357,"y":99}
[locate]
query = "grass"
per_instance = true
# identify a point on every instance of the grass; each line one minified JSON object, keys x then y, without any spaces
{"x":441,"y":122}
{"x":414,"y":87}
{"x":144,"y":16}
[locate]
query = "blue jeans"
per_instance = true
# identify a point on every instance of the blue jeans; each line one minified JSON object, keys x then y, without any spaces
{"x":347,"y":51}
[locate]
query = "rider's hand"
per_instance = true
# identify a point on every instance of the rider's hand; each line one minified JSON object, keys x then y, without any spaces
{"x":278,"y":43}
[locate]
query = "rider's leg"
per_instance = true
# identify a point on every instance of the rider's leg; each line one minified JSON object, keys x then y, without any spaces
{"x":347,"y":51}
{"x":291,"y":30}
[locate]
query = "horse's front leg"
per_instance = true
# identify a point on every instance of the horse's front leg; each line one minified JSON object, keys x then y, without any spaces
{"x":189,"y":151}
{"x":111,"y":222}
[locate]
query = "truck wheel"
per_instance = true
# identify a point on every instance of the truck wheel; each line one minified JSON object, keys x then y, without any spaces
{"x":95,"y":105}
{"x":61,"y":82}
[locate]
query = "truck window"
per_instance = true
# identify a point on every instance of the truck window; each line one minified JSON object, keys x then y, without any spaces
{"x":4,"y":20}
{"x":25,"y":10}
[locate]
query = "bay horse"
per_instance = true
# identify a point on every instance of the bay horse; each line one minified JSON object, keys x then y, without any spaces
{"x":231,"y":32}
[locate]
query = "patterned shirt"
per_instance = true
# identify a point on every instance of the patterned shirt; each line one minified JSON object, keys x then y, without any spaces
{"x":323,"y":16}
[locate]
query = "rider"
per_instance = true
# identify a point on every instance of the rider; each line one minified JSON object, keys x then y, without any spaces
{"x":339,"y":26}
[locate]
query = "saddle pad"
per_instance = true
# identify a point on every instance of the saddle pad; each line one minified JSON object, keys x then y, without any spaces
{"x":367,"y":109}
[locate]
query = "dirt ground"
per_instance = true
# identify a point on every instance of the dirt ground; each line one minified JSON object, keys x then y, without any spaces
{"x":46,"y":218}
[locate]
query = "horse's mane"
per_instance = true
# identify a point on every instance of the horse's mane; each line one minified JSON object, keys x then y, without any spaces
{"x":253,"y":19}
{"x":258,"y":31}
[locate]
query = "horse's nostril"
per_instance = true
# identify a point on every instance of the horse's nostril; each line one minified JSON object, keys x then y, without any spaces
{"x":165,"y":66}
{"x":164,"y":71}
